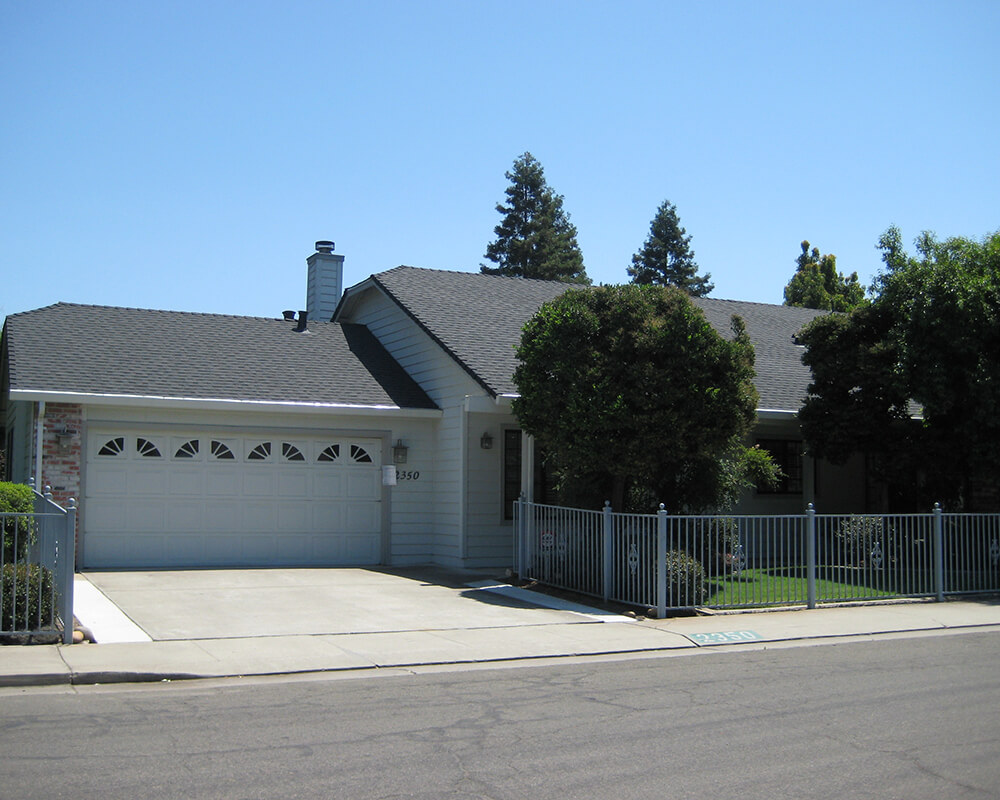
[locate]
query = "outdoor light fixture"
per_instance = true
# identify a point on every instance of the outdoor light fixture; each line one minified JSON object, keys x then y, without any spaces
{"x":399,"y":452}
{"x":486,"y":442}
{"x":64,"y":436}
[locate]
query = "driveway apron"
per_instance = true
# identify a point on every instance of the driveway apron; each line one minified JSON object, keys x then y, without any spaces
{"x":218,"y":604}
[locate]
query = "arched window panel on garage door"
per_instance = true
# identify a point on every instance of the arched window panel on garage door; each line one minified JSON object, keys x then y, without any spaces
{"x":113,"y":447}
{"x":293,"y":451}
{"x":328,"y":454}
{"x":147,"y":448}
{"x":220,"y":450}
{"x":258,"y":451}
{"x":187,"y":449}
{"x":360,"y":455}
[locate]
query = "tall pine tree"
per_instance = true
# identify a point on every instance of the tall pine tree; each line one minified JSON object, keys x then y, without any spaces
{"x":535,"y":239}
{"x":817,"y":284}
{"x":666,"y":258}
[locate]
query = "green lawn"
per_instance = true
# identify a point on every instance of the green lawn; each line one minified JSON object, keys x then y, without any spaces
{"x":783,"y":586}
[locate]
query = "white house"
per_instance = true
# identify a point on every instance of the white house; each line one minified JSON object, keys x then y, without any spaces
{"x":374,"y":429}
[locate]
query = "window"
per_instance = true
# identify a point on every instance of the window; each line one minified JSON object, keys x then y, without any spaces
{"x":187,"y":450}
{"x":291,"y":453}
{"x":787,"y":454}
{"x":359,"y":455}
{"x":261,"y":452}
{"x":146,"y":448}
{"x":113,"y":447}
{"x":331,"y":453}
{"x":221,"y":451}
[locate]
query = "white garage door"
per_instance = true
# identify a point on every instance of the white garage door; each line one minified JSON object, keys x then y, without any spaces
{"x":168,"y":499}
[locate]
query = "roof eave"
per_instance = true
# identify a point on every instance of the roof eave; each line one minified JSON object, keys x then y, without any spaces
{"x":216,"y":403}
{"x":374,"y":282}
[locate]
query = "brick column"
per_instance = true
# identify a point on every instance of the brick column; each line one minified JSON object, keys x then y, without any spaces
{"x":61,"y":455}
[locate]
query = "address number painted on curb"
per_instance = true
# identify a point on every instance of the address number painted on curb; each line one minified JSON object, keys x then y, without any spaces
{"x":725,"y":637}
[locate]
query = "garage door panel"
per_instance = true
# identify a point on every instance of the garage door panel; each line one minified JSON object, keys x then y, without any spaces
{"x":147,"y":515}
{"x":364,"y":485}
{"x":221,"y":515}
{"x":327,"y":483}
{"x":207,"y":500}
{"x":221,"y":548}
{"x":294,"y":517}
{"x":362,"y":519}
{"x":190,"y":482}
{"x":258,"y":549}
{"x":258,"y":517}
{"x":185,"y":516}
{"x":107,"y":514}
{"x":224,"y":481}
{"x":259,"y":483}
{"x":148,"y":481}
{"x":293,"y":483}
{"x":107,"y":479}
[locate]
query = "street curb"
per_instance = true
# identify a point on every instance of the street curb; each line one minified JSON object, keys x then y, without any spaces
{"x":98,"y":677}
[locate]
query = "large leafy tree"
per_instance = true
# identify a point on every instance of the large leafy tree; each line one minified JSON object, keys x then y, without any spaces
{"x":535,"y":238}
{"x":634,"y":397}
{"x":913,"y":380}
{"x":817,"y":283}
{"x":666,"y":257}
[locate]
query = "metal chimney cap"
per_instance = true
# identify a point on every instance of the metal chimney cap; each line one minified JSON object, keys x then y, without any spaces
{"x":325,"y":247}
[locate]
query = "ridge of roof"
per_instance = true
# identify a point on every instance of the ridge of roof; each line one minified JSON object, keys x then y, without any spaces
{"x":110,"y":350}
{"x":477,"y":318}
{"x":101,"y":307}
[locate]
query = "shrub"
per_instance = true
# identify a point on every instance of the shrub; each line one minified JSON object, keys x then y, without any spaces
{"x":715,"y":543}
{"x":856,"y":538}
{"x":18,"y":533}
{"x":25,"y":597}
{"x":685,"y":580}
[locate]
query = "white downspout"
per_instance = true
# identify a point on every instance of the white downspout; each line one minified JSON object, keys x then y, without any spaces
{"x":463,"y":502}
{"x":39,"y":430}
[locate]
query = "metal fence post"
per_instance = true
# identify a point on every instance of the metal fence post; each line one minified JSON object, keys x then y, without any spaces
{"x":810,"y":556}
{"x":607,"y":570}
{"x":661,"y":562}
{"x":527,"y":538}
{"x":938,"y":553}
{"x":67,"y":562}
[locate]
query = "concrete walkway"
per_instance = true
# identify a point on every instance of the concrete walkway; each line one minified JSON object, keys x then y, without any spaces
{"x":435,"y":622}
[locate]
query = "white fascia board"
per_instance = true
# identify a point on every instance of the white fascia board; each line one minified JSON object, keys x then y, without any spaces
{"x":349,"y":298}
{"x":204,"y":403}
{"x":488,"y":405}
{"x":776,"y":413}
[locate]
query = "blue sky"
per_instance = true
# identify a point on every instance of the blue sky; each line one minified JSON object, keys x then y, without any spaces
{"x":187,"y":155}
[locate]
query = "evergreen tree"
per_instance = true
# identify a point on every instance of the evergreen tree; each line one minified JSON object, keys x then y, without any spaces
{"x":636,"y":398}
{"x":535,"y":239}
{"x":666,"y":258}
{"x":817,"y":284}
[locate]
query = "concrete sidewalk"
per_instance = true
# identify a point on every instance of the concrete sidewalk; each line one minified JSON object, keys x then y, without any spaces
{"x":577,"y":631}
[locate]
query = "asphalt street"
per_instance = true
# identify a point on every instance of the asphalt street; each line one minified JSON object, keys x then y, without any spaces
{"x":886,"y":718}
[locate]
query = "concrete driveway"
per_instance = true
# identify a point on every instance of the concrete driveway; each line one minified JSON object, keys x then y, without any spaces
{"x":219,"y":604}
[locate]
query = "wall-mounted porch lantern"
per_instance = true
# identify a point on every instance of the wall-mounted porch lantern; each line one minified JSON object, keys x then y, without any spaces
{"x":399,"y":452}
{"x":64,"y":437}
{"x":486,"y":441}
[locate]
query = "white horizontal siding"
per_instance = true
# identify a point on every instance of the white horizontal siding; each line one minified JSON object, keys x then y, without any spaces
{"x":422,"y":358}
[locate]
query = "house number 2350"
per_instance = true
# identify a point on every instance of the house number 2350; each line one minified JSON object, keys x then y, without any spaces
{"x":407,"y":475}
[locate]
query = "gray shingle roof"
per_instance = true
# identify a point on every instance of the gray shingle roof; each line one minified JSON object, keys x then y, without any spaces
{"x":782,"y":379}
{"x":478,"y":319}
{"x":136,"y":352}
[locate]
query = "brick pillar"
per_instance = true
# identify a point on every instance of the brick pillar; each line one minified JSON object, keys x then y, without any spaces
{"x":61,"y":455}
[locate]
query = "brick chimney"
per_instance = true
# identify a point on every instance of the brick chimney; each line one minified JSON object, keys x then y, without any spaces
{"x":325,"y":282}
